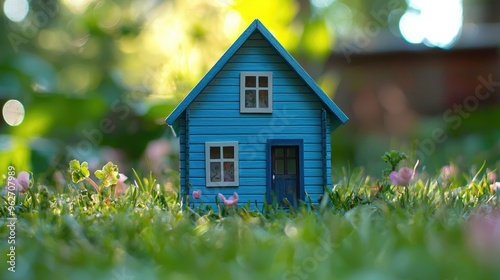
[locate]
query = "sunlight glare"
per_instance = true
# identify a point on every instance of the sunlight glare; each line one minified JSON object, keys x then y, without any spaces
{"x":436,"y":23}
{"x":444,"y":19}
{"x":232,"y":22}
{"x":16,"y":10}
{"x":410,"y":25}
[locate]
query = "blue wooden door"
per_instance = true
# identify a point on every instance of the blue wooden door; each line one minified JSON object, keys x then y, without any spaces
{"x":285,"y":174}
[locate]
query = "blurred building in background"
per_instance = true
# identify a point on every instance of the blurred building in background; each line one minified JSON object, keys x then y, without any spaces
{"x":431,"y":88}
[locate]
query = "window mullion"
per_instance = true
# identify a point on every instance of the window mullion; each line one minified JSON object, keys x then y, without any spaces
{"x":221,"y":170}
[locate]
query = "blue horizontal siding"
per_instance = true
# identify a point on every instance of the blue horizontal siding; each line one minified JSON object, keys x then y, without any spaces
{"x":258,"y":159}
{"x":245,"y":130}
{"x":256,"y":57}
{"x":254,"y":181}
{"x":248,"y":50}
{"x":232,"y":81}
{"x":229,"y":78}
{"x":248,"y":148}
{"x":232,"y":91}
{"x":256,"y":120}
{"x":261,"y":66}
{"x":234,"y":113}
{"x":223,"y":106}
{"x":250,"y":171}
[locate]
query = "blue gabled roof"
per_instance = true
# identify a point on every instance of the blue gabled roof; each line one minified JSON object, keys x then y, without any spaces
{"x":256,"y":25}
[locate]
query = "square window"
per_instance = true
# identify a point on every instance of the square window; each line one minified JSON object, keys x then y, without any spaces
{"x":263,"y":98}
{"x":229,"y":152}
{"x":263,"y":81}
{"x":256,"y":92}
{"x":221,"y":163}
{"x":215,"y":172}
{"x":250,"y":99}
{"x":250,"y":81}
{"x":229,"y":171}
{"x":214,"y":152}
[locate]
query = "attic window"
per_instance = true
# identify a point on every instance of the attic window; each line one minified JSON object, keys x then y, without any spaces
{"x":256,"y":92}
{"x":221,"y":164}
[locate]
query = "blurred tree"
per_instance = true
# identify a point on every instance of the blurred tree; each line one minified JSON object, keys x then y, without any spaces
{"x":94,"y":74}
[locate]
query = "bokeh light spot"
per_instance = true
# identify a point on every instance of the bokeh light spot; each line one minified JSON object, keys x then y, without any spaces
{"x":436,"y":23}
{"x":77,"y":6}
{"x":13,"y":112}
{"x":340,"y":18}
{"x":232,"y":23}
{"x":16,"y":10}
{"x":108,"y":14}
{"x":321,"y":3}
{"x":411,"y":27}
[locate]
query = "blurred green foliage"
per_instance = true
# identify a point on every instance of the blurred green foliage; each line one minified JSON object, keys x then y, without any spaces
{"x":97,"y":78}
{"x":102,"y":74}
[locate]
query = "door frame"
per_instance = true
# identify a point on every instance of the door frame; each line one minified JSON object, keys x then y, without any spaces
{"x":269,"y":170}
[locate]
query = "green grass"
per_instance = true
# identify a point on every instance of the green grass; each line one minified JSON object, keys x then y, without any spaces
{"x":356,"y":233}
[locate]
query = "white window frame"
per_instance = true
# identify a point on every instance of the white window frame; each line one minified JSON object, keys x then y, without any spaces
{"x":269,"y":89}
{"x":235,"y":160}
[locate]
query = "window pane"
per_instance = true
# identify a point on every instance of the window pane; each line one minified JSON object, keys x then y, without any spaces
{"x":263,"y":99}
{"x":214,"y":152}
{"x":279,"y":152}
{"x":263,"y":81}
{"x":290,"y":152}
{"x":228,"y":152}
{"x":250,"y":99}
{"x":280,"y":166}
{"x":250,"y":81}
{"x":291,"y":166}
{"x":215,"y":172}
{"x":228,"y":171}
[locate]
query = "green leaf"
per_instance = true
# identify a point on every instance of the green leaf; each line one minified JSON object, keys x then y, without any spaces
{"x":85,"y":169}
{"x":78,"y":171}
{"x":74,"y":164}
{"x":108,"y":174}
{"x":393,"y":157}
{"x":76,"y":177}
{"x":110,"y":167}
{"x":99,"y":174}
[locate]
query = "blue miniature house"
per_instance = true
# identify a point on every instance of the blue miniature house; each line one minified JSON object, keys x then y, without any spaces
{"x":257,"y":124}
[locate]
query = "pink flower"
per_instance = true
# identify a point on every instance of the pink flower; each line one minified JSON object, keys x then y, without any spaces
{"x":492,"y":177}
{"x":121,"y":187}
{"x":448,"y":172}
{"x":232,"y":201}
{"x":484,"y":233}
{"x":494,"y":187}
{"x":21,"y":183}
{"x":155,"y":154}
{"x":197,"y":194}
{"x":401,"y":178}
